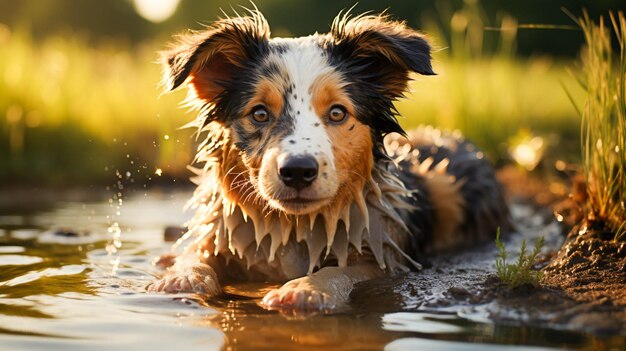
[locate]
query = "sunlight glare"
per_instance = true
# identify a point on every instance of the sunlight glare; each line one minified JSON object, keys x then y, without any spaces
{"x":156,"y":10}
{"x":528,"y":153}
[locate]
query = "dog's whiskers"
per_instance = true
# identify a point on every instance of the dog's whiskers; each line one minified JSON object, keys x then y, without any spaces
{"x":230,"y":170}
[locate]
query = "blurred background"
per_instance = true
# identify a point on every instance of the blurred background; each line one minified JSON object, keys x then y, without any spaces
{"x":80,"y":102}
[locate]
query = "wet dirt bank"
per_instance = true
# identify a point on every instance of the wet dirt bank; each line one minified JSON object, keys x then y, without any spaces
{"x":583,"y":288}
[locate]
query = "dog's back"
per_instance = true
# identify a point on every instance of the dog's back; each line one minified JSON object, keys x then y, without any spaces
{"x":457,"y":197}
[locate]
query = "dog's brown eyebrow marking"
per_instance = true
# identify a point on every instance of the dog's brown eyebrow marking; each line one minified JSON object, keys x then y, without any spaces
{"x":327,"y":90}
{"x":268,"y":92}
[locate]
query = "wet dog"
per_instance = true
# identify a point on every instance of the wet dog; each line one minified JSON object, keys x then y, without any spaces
{"x":307,"y":177}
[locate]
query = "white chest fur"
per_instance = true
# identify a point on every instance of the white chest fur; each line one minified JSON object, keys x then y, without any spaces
{"x":281,"y":247}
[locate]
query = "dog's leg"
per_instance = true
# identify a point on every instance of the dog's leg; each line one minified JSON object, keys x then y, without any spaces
{"x":188,"y":274}
{"x":325,"y":289}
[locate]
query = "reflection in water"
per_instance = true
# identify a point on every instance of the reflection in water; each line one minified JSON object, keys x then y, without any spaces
{"x":421,"y":323}
{"x":12,"y":260}
{"x":247,"y":326}
{"x":436,"y":345}
{"x":52,"y":269}
{"x":68,"y":292}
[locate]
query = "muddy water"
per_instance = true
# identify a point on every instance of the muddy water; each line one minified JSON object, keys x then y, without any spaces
{"x":72,"y":277}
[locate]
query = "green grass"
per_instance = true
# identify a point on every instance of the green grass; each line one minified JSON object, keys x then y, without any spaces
{"x":74,"y":112}
{"x":521,"y":272}
{"x":603,"y":132}
{"x":491,"y":96}
{"x":71,"y":112}
{"x":490,"y":100}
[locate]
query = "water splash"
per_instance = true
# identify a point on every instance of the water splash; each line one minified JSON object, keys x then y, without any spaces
{"x":116,"y":202}
{"x":115,"y":243}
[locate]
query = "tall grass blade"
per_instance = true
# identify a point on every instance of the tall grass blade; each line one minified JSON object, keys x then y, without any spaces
{"x":603,"y":129}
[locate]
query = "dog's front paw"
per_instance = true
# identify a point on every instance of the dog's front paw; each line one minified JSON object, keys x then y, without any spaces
{"x":198,"y":278}
{"x":299,"y":295}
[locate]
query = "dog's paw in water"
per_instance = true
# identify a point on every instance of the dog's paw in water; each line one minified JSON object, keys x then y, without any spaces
{"x":299,"y":295}
{"x":197,"y":278}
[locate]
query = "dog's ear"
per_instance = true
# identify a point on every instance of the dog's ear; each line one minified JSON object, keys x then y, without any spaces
{"x":381,"y":51}
{"x":207,"y":60}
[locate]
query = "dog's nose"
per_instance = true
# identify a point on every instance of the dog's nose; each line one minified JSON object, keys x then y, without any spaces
{"x":298,"y":172}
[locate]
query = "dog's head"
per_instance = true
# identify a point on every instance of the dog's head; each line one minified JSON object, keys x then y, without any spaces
{"x":301,"y":120}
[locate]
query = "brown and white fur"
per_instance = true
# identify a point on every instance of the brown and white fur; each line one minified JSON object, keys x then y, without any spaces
{"x":299,"y":183}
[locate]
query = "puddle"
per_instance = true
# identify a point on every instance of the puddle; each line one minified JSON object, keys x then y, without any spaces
{"x":434,"y":345}
{"x":78,"y":289}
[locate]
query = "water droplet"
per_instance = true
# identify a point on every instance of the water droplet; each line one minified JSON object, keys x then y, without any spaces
{"x":116,"y":232}
{"x":166,"y":137}
{"x":158,"y":172}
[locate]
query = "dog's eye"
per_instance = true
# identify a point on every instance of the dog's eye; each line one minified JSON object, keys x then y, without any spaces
{"x":260,"y":114}
{"x":337,"y":113}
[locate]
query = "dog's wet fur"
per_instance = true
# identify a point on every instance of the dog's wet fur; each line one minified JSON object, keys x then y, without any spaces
{"x":306,"y":175}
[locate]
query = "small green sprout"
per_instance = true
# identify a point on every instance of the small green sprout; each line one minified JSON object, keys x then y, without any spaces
{"x":521,"y":272}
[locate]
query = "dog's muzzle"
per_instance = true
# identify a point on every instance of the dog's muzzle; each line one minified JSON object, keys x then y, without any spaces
{"x":298,"y":172}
